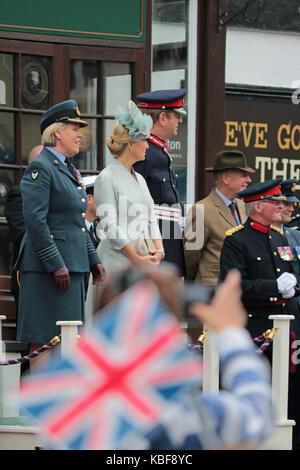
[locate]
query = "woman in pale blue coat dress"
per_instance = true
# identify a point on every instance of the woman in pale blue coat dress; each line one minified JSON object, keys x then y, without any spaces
{"x":124,"y":204}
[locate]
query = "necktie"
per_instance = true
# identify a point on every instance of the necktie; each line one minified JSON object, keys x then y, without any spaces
{"x":93,"y":234}
{"x":71,"y":168}
{"x":233,"y":211}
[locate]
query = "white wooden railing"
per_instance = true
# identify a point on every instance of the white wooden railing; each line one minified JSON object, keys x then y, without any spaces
{"x":282,"y":437}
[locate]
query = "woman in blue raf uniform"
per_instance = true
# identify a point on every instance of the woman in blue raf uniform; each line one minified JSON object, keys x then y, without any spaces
{"x":166,"y":109}
{"x":56,"y":251}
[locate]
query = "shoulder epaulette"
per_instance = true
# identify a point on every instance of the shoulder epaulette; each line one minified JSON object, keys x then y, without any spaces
{"x":277,"y":229}
{"x":233,"y":230}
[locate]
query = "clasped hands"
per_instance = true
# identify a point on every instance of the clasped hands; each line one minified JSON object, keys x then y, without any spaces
{"x":286,"y":283}
{"x":62,"y":277}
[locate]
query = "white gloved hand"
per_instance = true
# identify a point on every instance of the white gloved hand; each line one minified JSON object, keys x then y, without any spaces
{"x":289,"y":293}
{"x":286,"y":282}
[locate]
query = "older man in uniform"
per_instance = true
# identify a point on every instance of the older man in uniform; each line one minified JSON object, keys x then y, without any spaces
{"x":258,"y":249}
{"x":166,"y":110}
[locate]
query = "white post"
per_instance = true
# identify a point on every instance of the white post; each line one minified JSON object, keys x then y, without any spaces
{"x":283,"y":436}
{"x":69,"y":332}
{"x":210,"y":363}
{"x":280,"y":363}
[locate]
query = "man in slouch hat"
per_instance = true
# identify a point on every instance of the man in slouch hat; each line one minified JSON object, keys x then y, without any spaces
{"x":210,"y":218}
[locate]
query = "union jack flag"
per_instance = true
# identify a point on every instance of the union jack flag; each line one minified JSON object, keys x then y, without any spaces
{"x":117,"y":381}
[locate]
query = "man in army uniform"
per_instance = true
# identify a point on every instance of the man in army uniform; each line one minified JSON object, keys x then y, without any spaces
{"x":259,"y":250}
{"x":166,"y":110}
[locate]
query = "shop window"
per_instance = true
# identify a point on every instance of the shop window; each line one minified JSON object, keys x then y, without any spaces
{"x":169,"y":70}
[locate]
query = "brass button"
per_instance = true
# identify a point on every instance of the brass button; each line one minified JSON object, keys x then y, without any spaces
{"x":79,"y":188}
{"x":271,"y":299}
{"x":275,"y":299}
{"x":83,"y":200}
{"x":258,"y":258}
{"x":275,"y":253}
{"x":250,"y":315}
{"x":83,"y":229}
{"x":278,"y":270}
{"x":83,"y":214}
{"x":164,"y":180}
{"x":51,"y":235}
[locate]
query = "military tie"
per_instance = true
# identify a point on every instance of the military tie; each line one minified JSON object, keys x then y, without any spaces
{"x":234,"y":212}
{"x":71,"y":168}
{"x":94,"y":236}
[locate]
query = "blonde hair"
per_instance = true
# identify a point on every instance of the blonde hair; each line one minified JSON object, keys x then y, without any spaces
{"x":118,"y":140}
{"x":48,"y":136}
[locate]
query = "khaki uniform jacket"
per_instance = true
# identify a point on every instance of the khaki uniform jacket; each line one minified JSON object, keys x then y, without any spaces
{"x":208,"y":219}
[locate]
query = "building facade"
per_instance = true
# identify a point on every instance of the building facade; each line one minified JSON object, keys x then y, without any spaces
{"x":102,"y":54}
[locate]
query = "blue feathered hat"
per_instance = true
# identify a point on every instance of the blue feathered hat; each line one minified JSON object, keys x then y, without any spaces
{"x":137,"y":123}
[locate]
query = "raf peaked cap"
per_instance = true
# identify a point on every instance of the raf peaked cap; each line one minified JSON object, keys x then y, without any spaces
{"x":264,"y":190}
{"x":166,"y":100}
{"x":67,"y":111}
{"x":89,"y":183}
{"x":230,"y":160}
{"x":288,"y":188}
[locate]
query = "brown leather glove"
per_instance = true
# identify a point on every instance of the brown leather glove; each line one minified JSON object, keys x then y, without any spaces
{"x":98,"y":273}
{"x":62,"y":278}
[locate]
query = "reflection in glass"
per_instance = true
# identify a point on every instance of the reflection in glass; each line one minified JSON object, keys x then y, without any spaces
{"x":108,"y":125}
{"x":31,"y":135}
{"x":35,"y":82}
{"x":6,"y":80}
{"x":169,"y":45}
{"x":87,"y":157}
{"x":83,"y":85}
{"x":5,"y":251}
{"x":7,"y":154}
{"x":117,"y":86}
{"x":6,"y":182}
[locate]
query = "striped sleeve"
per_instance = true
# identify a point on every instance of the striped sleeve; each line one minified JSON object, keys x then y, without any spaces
{"x":241,"y":415}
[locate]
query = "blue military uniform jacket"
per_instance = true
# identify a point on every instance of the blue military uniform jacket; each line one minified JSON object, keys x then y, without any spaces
{"x":162,"y":183}
{"x":54,"y":205}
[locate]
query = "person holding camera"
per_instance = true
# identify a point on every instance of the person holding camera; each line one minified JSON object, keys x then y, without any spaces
{"x":124,"y":204}
{"x":239,"y":416}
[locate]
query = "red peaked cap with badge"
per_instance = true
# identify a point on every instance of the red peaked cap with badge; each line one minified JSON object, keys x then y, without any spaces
{"x":166,"y":100}
{"x":66,"y":111}
{"x":265,"y":190}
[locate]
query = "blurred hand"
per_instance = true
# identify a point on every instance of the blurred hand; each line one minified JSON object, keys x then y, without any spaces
{"x":62,"y":278}
{"x":226,"y":309}
{"x":98,"y":273}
